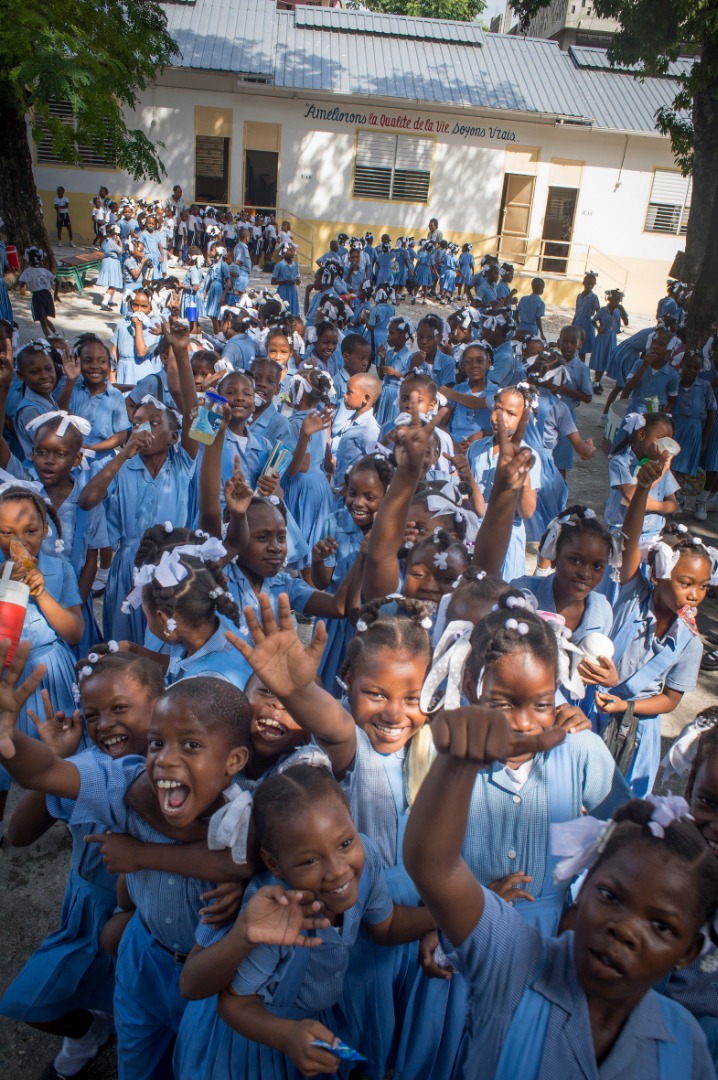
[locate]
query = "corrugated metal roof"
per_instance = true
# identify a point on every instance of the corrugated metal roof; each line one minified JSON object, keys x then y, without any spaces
{"x":597,"y":59}
{"x":356,"y":53}
{"x":368,"y":22}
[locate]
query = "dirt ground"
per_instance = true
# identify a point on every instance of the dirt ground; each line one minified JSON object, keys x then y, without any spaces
{"x":33,"y":880}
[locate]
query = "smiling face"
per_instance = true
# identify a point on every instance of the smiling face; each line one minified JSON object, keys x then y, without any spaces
{"x":426,"y":581}
{"x":510,"y":405}
{"x":580,"y":564}
{"x":266,"y":551}
{"x":688,"y":583}
{"x":363,"y":496}
{"x":238,"y":389}
{"x":320,"y":851}
{"x":384,"y":690}
{"x":523,"y":686}
{"x":189,"y":761}
{"x":55,"y":456}
{"x":37,"y":371}
{"x":94,"y":364}
{"x":476,"y":363}
{"x":20,"y":520}
{"x":118,"y":711}
{"x":272,"y":731}
{"x":326,"y":345}
{"x":280,"y":350}
{"x":634,"y":924}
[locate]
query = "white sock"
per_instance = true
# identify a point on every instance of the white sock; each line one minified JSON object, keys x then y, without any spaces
{"x":76,"y":1053}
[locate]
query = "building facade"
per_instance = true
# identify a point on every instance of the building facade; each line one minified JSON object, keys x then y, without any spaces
{"x":347,"y":121}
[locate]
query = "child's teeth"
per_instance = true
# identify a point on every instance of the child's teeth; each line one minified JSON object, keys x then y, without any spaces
{"x":114,"y":740}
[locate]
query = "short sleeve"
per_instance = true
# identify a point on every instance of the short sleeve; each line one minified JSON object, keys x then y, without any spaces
{"x":672,"y":383}
{"x":683,"y":676}
{"x":710,"y":398}
{"x":619,"y":472}
{"x":603,"y":786}
{"x":104,"y":782}
{"x":300,"y":593}
{"x":96,"y":533}
{"x":670,"y":484}
{"x":260,"y":968}
{"x":635,"y":369}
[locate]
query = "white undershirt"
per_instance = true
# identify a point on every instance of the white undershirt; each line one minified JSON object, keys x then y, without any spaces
{"x":518,"y":777}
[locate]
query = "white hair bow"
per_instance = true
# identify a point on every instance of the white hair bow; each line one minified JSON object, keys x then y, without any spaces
{"x":7,"y":480}
{"x":150,"y":399}
{"x":305,"y":755}
{"x":668,"y":808}
{"x":168,"y":572}
{"x":664,"y":559}
{"x":633,"y":422}
{"x":450,"y":656}
{"x":299,"y":386}
{"x":82,"y":425}
{"x":550,"y":542}
{"x":229,"y":826}
{"x":212,"y":550}
{"x":404,"y":419}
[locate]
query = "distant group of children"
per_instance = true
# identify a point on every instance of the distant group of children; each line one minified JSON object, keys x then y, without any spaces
{"x":420,"y":838}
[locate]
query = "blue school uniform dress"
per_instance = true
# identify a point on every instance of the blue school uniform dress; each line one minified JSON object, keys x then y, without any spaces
{"x":216,"y":658}
{"x":626,"y":355}
{"x":423,"y":274}
{"x":148,"y":1006}
{"x":378,"y":323}
{"x":449,"y":267}
{"x":482,"y":462}
{"x":586,"y":308}
{"x":662,"y":384}
{"x":30,"y":406}
{"x":152,"y":241}
{"x":404,"y":264}
{"x":709,"y":457}
{"x":605,"y":343}
{"x":529,"y":1016}
{"x":287,"y":274}
{"x":696,"y":989}
{"x":484,"y":291}
{"x":48,"y":648}
{"x":466,"y":422}
{"x":242,"y":592}
{"x":349,"y":537}
{"x":388,"y":405}
{"x":466,"y":267}
{"x":130,"y":283}
{"x":130,"y":366}
{"x":270,"y":424}
{"x":577,"y":378}
{"x":552,"y":496}
{"x":240,"y":350}
{"x":443,"y":368}
{"x":520,"y":809}
{"x":106,"y":412}
{"x":529,"y":309}
{"x":690,"y":413}
{"x":135,"y":501}
{"x":503,"y":365}
{"x":214,"y":284}
{"x":193,"y":292}
{"x":353,"y":440}
{"x":384,"y":262}
{"x":293,"y":983}
{"x":621,"y":470}
{"x":5,"y":305}
{"x":645,"y":665}
{"x":70,"y":969}
{"x":243,"y":260}
{"x":308,"y":495}
{"x":110,"y":275}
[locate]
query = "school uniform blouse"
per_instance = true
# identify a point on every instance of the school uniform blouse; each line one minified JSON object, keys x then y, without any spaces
{"x":579,"y":378}
{"x":244,"y":595}
{"x":261,"y":972}
{"x":662,"y":384}
{"x":216,"y":658}
{"x":354,"y":442}
{"x":633,"y":618}
{"x":166,"y":902}
{"x":465,"y":421}
{"x":504,"y":957}
{"x":483,"y":290}
{"x":597,"y":614}
{"x":621,"y":470}
{"x":106,"y":411}
{"x":240,"y":350}
{"x":30,"y":406}
{"x":530,"y":308}
{"x":155,"y":384}
{"x":503,"y":364}
{"x":269,"y":425}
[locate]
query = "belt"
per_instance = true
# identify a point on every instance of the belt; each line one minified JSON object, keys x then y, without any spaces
{"x":178,"y":957}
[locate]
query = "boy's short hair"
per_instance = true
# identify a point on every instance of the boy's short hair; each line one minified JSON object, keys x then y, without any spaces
{"x":351,"y":342}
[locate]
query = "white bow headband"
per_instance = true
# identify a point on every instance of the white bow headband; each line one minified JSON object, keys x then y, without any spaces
{"x":682,"y":753}
{"x":582,"y":840}
{"x":150,"y":399}
{"x":83,"y":426}
{"x":450,"y":656}
{"x":169,"y":571}
{"x":633,"y":422}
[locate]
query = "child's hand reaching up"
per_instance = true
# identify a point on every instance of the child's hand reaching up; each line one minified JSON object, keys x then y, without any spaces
{"x":514,"y":460}
{"x":237,"y":492}
{"x":62,"y":733}
{"x":282,"y":662}
{"x":323,"y":549}
{"x":317,"y":420}
{"x":12,"y":696}
{"x":482,"y":736}
{"x":277,"y":916}
{"x":71,"y":366}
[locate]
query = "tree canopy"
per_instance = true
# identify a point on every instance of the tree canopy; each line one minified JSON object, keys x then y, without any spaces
{"x":97,"y":56}
{"x":461,"y":10}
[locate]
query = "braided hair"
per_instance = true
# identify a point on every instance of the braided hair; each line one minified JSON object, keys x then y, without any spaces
{"x":678,"y":538}
{"x":652,"y":421}
{"x":45,"y":509}
{"x":491,"y":638}
{"x":578,"y":520}
{"x":374,"y":463}
{"x":281,"y":797}
{"x":160,"y":538}
{"x":421,"y":497}
{"x":439,"y":543}
{"x":197,"y":598}
{"x":142,"y":669}
{"x":413,"y":380}
{"x":681,"y":840}
{"x":90,"y":339}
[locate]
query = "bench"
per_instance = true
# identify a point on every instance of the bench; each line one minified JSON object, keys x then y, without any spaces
{"x":76,"y":267}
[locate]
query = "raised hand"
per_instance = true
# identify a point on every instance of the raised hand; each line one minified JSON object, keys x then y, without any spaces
{"x":324,"y":548}
{"x":237,"y":492}
{"x":137,"y":442}
{"x":483,"y":736}
{"x":12,"y":696}
{"x":176,"y":334}
{"x":514,"y":461}
{"x":277,"y":916}
{"x":283,"y":663}
{"x":411,"y":441}
{"x":62,"y":733}
{"x":318,"y":420}
{"x":71,"y":366}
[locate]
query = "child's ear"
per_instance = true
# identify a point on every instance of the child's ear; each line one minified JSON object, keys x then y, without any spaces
{"x":690,"y":955}
{"x":237,"y":760}
{"x":270,"y":862}
{"x":174,"y":437}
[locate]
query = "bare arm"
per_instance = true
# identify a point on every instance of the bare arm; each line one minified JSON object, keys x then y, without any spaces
{"x":512,"y":468}
{"x":648,"y":474}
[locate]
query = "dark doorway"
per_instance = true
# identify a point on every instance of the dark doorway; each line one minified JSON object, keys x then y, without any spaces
{"x":211,"y":169}
{"x":261,"y":170}
{"x":558,"y":229}
{"x":514,"y":217}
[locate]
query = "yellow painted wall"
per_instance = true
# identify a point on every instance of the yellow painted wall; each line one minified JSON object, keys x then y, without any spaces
{"x":80,"y":213}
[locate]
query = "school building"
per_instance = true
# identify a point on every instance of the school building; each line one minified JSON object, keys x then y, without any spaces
{"x":353,"y":121}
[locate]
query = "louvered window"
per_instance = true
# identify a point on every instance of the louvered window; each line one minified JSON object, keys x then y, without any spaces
{"x":670,"y":203}
{"x":45,"y":154}
{"x":392,"y":167}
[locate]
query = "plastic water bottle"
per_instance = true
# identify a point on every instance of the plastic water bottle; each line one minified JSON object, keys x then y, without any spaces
{"x":209,"y":417}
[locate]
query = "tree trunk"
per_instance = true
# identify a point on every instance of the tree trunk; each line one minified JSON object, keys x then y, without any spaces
{"x":705,"y":165}
{"x":703,"y":312}
{"x":24,"y":226}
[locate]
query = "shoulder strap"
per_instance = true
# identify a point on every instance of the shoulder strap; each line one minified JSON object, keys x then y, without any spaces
{"x":521,"y":1054}
{"x":288,"y":989}
{"x":675,"y":1058}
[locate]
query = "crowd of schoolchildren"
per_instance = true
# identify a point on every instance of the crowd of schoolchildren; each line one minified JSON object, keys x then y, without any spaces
{"x":416,"y":838}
